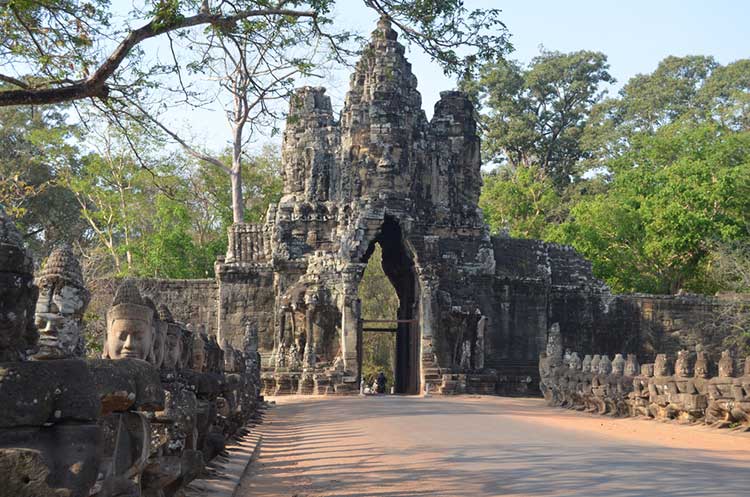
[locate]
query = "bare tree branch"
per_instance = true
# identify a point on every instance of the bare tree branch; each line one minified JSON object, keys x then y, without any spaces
{"x":95,"y":86}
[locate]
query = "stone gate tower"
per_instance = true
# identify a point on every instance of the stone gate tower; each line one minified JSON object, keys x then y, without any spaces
{"x":383,"y":174}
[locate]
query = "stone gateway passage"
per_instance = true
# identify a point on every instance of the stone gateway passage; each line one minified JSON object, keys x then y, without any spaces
{"x":475,"y":309}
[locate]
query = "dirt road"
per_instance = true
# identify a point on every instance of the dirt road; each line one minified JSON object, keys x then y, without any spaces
{"x":485,"y":446}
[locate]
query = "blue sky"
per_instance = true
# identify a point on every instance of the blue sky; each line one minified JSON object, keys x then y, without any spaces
{"x":634,"y":34}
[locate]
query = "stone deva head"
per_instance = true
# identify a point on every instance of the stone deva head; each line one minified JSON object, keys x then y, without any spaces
{"x":632,"y":367}
{"x":214,"y":355}
{"x":186,"y":333}
{"x":160,"y":334}
{"x":18,"y":294}
{"x":726,"y":365}
{"x":198,"y":360}
{"x":586,"y":364}
{"x":59,"y":310}
{"x":250,"y":340}
{"x":230,"y":364}
{"x":661,"y":366}
{"x":682,"y":364}
{"x":595,"y":363}
{"x":702,"y":366}
{"x":173,"y":340}
{"x":554,"y":344}
{"x":574,"y":361}
{"x":130,"y":333}
{"x":605,"y":365}
{"x":618,"y":365}
{"x":647,"y":370}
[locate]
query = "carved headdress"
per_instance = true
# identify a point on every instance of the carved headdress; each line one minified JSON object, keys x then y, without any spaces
{"x":62,"y":266}
{"x":128,"y":304}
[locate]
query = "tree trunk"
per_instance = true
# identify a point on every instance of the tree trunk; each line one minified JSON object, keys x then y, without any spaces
{"x":235,"y":177}
{"x":238,"y":210}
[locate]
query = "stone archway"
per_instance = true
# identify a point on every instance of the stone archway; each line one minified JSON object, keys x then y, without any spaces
{"x":398,"y":266}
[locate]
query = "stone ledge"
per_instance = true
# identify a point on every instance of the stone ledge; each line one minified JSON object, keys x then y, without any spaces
{"x":224,"y":473}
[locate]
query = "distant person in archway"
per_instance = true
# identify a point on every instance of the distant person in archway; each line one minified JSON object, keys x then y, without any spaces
{"x":381,"y":380}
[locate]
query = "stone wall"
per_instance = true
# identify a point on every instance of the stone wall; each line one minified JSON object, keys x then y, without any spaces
{"x":668,"y":323}
{"x":191,"y":302}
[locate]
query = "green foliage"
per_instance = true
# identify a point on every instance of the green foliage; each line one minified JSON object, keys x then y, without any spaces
{"x":673,"y":195}
{"x":518,"y":200}
{"x":666,"y":165}
{"x":536,"y":116}
{"x":261,"y":184}
{"x":36,"y":148}
{"x":379,"y":301}
{"x":691,"y":88}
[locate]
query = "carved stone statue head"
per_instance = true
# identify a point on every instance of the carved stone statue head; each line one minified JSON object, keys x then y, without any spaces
{"x":250,"y":340}
{"x":165,"y":319}
{"x":554,"y":345}
{"x":595,"y":363}
{"x":130,"y":332}
{"x":682,"y":364}
{"x":198,"y":358}
{"x":18,"y":294}
{"x":647,"y":370}
{"x":618,"y":365}
{"x":605,"y":365}
{"x":661,"y":366}
{"x":726,"y":365}
{"x":215,"y":355}
{"x":160,"y":336}
{"x":230,"y":365}
{"x":59,"y":310}
{"x":187,"y":345}
{"x":586,"y":364}
{"x":631,"y":365}
{"x":173,"y":348}
{"x":575,"y":361}
{"x":702,"y":365}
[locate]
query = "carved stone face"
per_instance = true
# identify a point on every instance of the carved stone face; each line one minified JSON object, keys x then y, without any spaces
{"x":198,"y":358}
{"x":661,"y":366}
{"x":631,"y":365}
{"x":618,"y":365}
{"x":129,"y":338}
{"x":17,"y":330}
{"x":605,"y":365}
{"x":701,"y":365}
{"x":726,"y":365}
{"x":575,"y":361}
{"x":230,"y":365}
{"x":173,"y":347}
{"x":186,"y":335}
{"x":647,"y":370}
{"x":58,"y":316}
{"x":586,"y":364}
{"x":682,"y":364}
{"x":595,"y":363}
{"x":160,"y":343}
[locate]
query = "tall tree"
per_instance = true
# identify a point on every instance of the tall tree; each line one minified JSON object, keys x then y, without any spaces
{"x":36,"y":147}
{"x":535,"y":115}
{"x":692,"y":88}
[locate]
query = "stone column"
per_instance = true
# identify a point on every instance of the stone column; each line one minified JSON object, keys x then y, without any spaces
{"x":309,"y":352}
{"x":350,"y":315}
{"x":428,"y":368}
